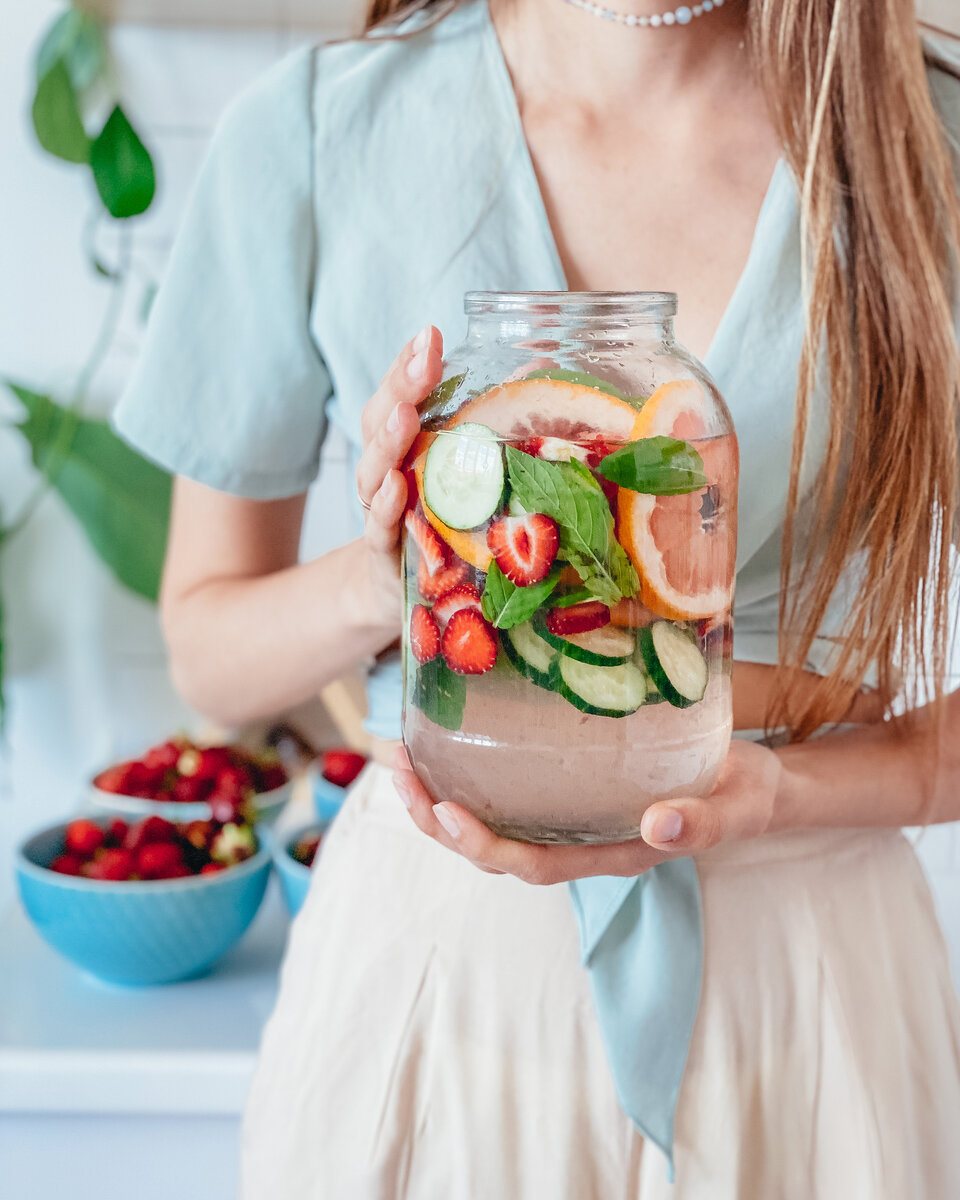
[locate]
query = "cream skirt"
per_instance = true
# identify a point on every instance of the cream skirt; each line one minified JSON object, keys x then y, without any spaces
{"x":434,"y":1037}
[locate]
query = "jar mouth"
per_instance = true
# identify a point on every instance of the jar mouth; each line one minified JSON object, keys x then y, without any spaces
{"x":653,"y":307}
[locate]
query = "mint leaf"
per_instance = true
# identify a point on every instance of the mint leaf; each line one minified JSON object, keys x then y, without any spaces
{"x":658,"y":466}
{"x":578,"y":596}
{"x":440,"y":694}
{"x":583,"y":379}
{"x":505,"y":605}
{"x":567,"y":492}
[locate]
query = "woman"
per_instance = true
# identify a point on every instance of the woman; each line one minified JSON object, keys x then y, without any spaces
{"x":434,"y":1034}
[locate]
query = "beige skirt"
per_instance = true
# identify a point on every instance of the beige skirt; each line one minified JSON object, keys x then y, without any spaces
{"x":434,"y":1037}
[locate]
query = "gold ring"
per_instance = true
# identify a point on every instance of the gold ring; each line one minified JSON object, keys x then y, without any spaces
{"x":363,"y":504}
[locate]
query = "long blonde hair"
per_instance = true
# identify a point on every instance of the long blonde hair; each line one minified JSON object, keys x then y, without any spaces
{"x":848,"y":95}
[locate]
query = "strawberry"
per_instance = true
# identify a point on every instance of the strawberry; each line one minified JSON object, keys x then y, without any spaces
{"x":341,"y":767}
{"x":163,"y":758}
{"x":272,"y":778}
{"x":469,"y":645}
{"x":83,"y":838}
{"x":305,"y":851}
{"x":157,"y":860}
{"x":66,"y":864}
{"x":578,"y":618}
{"x":211,"y":868}
{"x":191,"y":789}
{"x":204,"y":764}
{"x":114,"y":779}
{"x":200,"y":834}
{"x":464,"y":595}
{"x":149,"y":831}
{"x":532,"y":445}
{"x":433,"y":553}
{"x":233,"y":781}
{"x":113,"y":865}
{"x":116,"y":832}
{"x":424,"y":634}
{"x":432,"y":587}
{"x":524,"y":547}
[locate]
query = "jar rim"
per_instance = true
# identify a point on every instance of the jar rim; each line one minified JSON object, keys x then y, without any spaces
{"x":646,"y":306}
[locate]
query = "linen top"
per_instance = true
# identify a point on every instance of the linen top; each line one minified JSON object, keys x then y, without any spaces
{"x":352,"y":196}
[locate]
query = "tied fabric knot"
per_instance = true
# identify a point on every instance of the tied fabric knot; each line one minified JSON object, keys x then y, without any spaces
{"x":641,"y":941}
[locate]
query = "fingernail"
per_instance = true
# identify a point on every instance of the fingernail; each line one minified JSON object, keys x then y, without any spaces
{"x":664,"y":826}
{"x":417,"y":365}
{"x":401,"y":785}
{"x":393,"y":421}
{"x":447,"y":820}
{"x":422,"y":340}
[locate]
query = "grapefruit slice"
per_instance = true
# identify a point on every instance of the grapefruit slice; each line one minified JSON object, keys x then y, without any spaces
{"x":684,"y":547}
{"x":468,"y":544}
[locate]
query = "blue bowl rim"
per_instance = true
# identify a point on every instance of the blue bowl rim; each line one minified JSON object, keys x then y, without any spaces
{"x":282,"y":846}
{"x":263,"y":800}
{"x":25,"y":865}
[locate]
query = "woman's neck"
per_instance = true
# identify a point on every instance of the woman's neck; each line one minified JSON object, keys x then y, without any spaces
{"x":559,"y":49}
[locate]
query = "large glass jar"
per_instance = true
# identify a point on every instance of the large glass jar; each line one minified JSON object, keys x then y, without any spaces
{"x":568,"y":568}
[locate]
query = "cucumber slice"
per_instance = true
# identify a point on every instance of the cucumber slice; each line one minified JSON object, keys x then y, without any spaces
{"x":600,"y":691}
{"x":674,"y":663}
{"x":608,"y":646}
{"x":529,"y":653}
{"x":463,"y":475}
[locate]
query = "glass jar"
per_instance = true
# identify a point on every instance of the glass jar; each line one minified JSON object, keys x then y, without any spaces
{"x":569,"y":555}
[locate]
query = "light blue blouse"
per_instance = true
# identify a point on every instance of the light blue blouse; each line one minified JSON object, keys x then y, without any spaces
{"x":349,"y":198}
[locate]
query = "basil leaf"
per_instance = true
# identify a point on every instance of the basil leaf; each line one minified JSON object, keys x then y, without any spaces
{"x":505,"y":604}
{"x":583,"y":379}
{"x":657,"y":466}
{"x":567,"y":492}
{"x":440,"y":694}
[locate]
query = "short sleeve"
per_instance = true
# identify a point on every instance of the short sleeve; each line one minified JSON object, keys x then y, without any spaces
{"x":231,"y":389}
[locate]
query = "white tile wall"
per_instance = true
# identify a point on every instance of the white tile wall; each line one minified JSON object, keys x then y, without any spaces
{"x":87,"y":677}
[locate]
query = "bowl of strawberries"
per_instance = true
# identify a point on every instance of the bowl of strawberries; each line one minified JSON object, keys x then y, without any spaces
{"x":180,"y":780}
{"x":330,"y":775}
{"x":295,"y":857}
{"x":143,"y":902}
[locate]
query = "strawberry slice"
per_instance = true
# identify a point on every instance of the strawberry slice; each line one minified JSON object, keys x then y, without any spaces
{"x":532,"y":446}
{"x":578,"y":618}
{"x":464,"y":595}
{"x":424,"y":634}
{"x":433,"y":586}
{"x":433,"y":553}
{"x":469,"y":645}
{"x":524,"y":547}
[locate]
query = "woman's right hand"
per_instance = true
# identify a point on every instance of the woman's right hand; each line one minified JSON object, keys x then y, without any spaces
{"x":390,"y":422}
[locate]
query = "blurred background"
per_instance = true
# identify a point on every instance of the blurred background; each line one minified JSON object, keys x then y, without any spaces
{"x":97,"y":1082}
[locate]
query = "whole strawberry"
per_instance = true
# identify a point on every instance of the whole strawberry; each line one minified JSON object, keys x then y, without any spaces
{"x":160,"y":860}
{"x":110,"y":865}
{"x":83,"y":838}
{"x":148,"y":831}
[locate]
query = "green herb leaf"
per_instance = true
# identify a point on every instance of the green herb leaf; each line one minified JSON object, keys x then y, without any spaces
{"x":440,"y":694}
{"x":122,"y":168}
{"x":505,"y":605}
{"x":121,"y":500}
{"x":76,"y":39}
{"x":586,"y":380}
{"x":443,"y":393}
{"x":658,"y":466}
{"x":577,"y":596}
{"x":569,"y":494}
{"x":56,"y":117}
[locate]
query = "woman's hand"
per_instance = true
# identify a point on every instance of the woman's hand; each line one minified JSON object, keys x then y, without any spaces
{"x":390,"y":422}
{"x":741,"y":806}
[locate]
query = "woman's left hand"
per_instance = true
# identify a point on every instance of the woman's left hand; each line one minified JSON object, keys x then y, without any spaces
{"x":741,"y":806}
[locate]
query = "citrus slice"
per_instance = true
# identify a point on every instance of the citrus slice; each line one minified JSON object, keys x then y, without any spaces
{"x":550,"y":408}
{"x":684,"y":547}
{"x":469,"y":544}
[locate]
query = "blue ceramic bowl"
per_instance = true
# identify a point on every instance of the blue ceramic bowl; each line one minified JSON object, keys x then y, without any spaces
{"x":138,"y":933}
{"x":328,"y":798}
{"x":294,"y":876}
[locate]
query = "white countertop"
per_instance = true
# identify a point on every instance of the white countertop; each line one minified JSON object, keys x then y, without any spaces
{"x":69,"y":1044}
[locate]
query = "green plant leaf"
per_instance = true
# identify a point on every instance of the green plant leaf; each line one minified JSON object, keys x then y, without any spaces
{"x":578,"y":596}
{"x":3,"y":695}
{"x":505,"y":604}
{"x":121,"y":500}
{"x":584,"y":379}
{"x":122,"y":168}
{"x":56,"y":117}
{"x":567,"y":492}
{"x":657,"y":466}
{"x":441,"y":694}
{"x":76,"y":39}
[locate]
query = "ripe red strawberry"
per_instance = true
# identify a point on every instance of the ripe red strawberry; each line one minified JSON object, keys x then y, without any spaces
{"x":149,"y":831}
{"x":272,"y":778}
{"x":200,"y":834}
{"x":233,"y":781}
{"x":162,"y":758}
{"x":469,"y":645}
{"x":424,"y":634}
{"x":341,"y":767}
{"x":433,"y":553}
{"x":83,"y":838}
{"x":114,"y":779}
{"x":66,"y":864}
{"x":464,"y":595}
{"x":211,"y":868}
{"x":204,"y":764}
{"x":432,"y":587}
{"x":578,"y":618}
{"x":532,"y":445}
{"x":116,"y":832}
{"x":524,"y":547}
{"x":157,"y":860}
{"x":114,"y":865}
{"x":191,"y":789}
